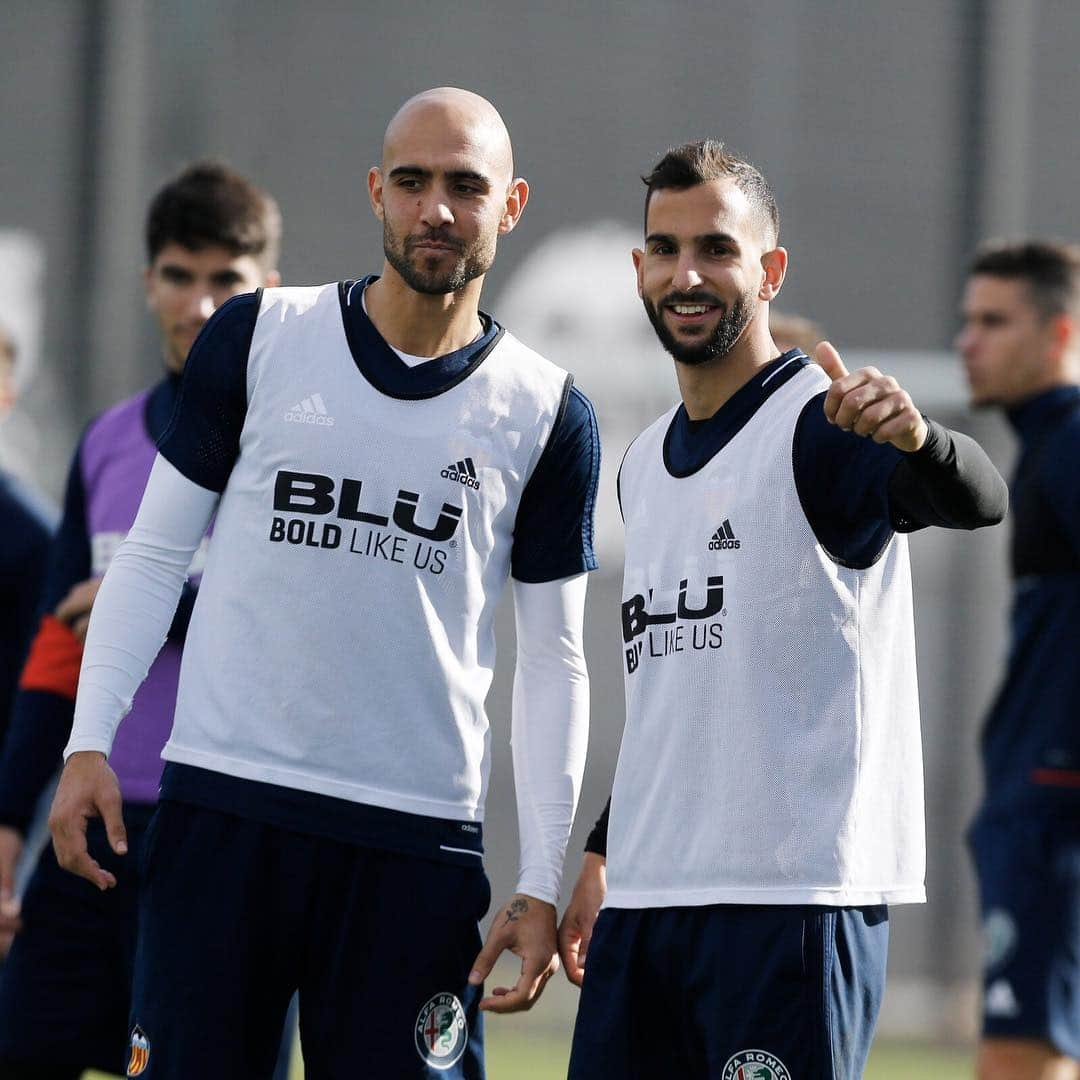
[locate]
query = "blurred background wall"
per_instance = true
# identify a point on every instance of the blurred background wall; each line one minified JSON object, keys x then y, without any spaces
{"x":895,"y":136}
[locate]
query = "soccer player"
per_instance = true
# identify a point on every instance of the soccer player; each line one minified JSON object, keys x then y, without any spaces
{"x":1021,"y":347}
{"x":380,"y":456}
{"x":65,"y":993}
{"x":28,"y":524}
{"x":767,"y":804}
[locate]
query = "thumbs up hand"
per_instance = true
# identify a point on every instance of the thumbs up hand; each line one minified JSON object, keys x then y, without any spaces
{"x":870,"y":404}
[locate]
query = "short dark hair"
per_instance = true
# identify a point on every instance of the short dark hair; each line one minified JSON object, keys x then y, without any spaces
{"x":694,"y":163}
{"x":1050,"y":269}
{"x":210,"y":205}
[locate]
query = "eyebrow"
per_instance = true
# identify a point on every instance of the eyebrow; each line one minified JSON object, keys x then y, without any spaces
{"x":718,"y":238}
{"x":451,"y":174}
{"x":705,"y":238}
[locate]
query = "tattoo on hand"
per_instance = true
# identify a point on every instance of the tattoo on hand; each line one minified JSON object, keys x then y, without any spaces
{"x":516,"y":910}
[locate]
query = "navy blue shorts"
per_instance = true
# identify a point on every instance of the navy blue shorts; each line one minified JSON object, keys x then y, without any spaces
{"x":731,"y":993}
{"x":65,"y":989}
{"x":1029,"y":891}
{"x":236,"y":915}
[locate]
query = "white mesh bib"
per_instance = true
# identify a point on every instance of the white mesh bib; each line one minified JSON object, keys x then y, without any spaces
{"x":342,"y":642}
{"x":771,"y":751}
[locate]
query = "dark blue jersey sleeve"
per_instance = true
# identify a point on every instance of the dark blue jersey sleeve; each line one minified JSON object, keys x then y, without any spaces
{"x":843,"y":484}
{"x":69,"y":553}
{"x":202,"y":440}
{"x":856,"y":493}
{"x":41,"y":717}
{"x":24,"y":546}
{"x":553,"y":531}
{"x":1058,"y":477}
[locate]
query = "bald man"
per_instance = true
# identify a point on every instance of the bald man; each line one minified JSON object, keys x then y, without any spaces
{"x":380,"y":456}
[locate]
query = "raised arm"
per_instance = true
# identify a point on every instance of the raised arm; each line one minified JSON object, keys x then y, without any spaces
{"x":868,"y":464}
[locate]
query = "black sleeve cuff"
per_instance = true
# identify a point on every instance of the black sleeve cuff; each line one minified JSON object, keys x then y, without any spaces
{"x":597,"y":842}
{"x":179,"y":628}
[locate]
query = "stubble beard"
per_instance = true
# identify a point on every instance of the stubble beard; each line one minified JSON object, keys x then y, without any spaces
{"x":732,"y":323}
{"x":423,"y":274}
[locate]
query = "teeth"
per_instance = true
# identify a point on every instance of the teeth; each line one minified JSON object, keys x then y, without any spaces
{"x":690,"y":309}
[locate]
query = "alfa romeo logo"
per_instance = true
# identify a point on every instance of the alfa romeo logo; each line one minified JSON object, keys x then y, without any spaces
{"x":441,"y":1032}
{"x":755,"y":1065}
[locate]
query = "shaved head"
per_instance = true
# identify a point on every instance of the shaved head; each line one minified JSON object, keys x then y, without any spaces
{"x":452,"y":111}
{"x":446,"y":189}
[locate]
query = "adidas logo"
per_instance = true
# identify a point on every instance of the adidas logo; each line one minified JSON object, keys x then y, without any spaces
{"x":723,"y":538}
{"x":1000,"y":999}
{"x":463,"y":473}
{"x":312,"y":410}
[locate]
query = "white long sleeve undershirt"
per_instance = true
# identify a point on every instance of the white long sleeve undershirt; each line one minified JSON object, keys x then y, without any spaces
{"x":550,"y":726}
{"x":135,"y":606}
{"x":138,"y":598}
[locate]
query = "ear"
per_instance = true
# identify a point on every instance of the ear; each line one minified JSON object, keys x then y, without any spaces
{"x":375,"y":190}
{"x":516,"y":198}
{"x":639,"y":268}
{"x":774,"y":270}
{"x":1062,"y":332}
{"x":272,"y":279}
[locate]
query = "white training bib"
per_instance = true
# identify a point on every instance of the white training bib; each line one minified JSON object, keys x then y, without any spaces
{"x":771,"y":753}
{"x":342,"y":642}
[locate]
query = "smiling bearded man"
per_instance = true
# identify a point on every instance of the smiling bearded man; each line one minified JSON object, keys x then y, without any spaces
{"x":767,"y":803}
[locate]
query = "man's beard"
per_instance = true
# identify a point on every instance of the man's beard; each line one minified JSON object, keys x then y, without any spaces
{"x":422,"y":273}
{"x":733,"y":321}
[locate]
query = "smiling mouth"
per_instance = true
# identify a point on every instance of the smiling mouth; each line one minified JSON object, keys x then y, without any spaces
{"x":689,"y":314}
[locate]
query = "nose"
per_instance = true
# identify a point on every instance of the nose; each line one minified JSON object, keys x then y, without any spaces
{"x":435,"y":211}
{"x":686,"y":274}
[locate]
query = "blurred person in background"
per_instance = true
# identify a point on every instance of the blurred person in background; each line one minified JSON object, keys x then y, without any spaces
{"x":65,"y":992}
{"x":1020,"y":344}
{"x":794,"y":332}
{"x":379,"y":457}
{"x":767,"y":803}
{"x":28,"y":523}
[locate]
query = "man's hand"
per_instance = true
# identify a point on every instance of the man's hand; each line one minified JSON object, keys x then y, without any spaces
{"x":870,"y":404}
{"x":525,"y":926}
{"x":11,"y":844}
{"x":74,"y":609}
{"x":88,"y":788}
{"x":575,"y":930}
